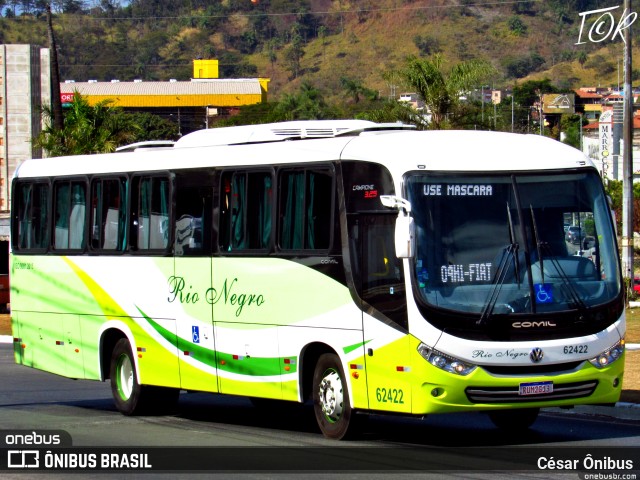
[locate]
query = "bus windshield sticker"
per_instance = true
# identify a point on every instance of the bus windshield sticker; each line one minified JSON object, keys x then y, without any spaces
{"x":370,"y":191}
{"x":195,"y":333}
{"x":473,"y":272}
{"x":457,"y":190}
{"x":544,"y":292}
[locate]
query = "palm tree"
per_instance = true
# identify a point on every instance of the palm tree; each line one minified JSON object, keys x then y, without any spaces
{"x":354,"y":89}
{"x":87,"y":129}
{"x":441,"y":90}
{"x":308,"y":104}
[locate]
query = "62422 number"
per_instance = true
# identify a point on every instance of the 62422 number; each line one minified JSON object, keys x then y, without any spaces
{"x":390,"y":395}
{"x":573,"y":349}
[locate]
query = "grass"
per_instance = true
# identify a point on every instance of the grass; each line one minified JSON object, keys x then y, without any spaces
{"x":631,"y":385}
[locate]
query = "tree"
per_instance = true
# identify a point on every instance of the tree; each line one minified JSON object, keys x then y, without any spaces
{"x":582,"y":58}
{"x":614,"y":190}
{"x":517,"y":26}
{"x":354,"y":90}
{"x":308,"y":104}
{"x":86,"y":129}
{"x":293,"y":55}
{"x":570,"y":125}
{"x":521,"y":66}
{"x":529,"y":92}
{"x":440,"y":89}
{"x":147,"y":126}
{"x":393,"y":111}
{"x":427,"y":44}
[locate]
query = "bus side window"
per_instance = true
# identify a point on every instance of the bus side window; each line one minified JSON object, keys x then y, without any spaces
{"x":305,"y":209}
{"x":246,"y":211}
{"x":108,"y":213}
{"x":69,"y":203}
{"x":151,"y":204}
{"x":193,"y":216}
{"x":32,"y":216}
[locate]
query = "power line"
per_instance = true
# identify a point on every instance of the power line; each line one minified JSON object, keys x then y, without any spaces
{"x":493,"y":3}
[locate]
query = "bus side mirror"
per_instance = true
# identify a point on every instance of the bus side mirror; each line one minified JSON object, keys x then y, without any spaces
{"x":405,"y":236}
{"x":405,"y":228}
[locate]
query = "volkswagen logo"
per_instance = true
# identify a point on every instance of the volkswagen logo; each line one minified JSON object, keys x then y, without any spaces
{"x":536,"y":355}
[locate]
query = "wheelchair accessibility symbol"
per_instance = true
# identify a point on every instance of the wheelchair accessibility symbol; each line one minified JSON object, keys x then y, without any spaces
{"x":544,"y":293}
{"x":195,"y":334}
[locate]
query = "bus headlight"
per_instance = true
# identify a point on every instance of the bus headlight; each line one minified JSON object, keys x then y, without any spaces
{"x":609,"y":356}
{"x":445,"y":362}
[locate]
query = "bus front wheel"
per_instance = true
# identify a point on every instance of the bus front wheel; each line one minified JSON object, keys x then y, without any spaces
{"x":130,"y":397}
{"x":330,"y":398}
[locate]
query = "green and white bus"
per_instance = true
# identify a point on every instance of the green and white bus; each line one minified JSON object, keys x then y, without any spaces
{"x":367,"y":268}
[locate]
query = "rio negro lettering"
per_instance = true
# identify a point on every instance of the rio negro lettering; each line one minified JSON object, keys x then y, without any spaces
{"x":225,"y":294}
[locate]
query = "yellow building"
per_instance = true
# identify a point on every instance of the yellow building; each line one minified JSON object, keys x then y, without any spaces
{"x":192,"y":104}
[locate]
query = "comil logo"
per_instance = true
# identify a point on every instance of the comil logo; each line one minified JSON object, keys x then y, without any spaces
{"x":540,"y":324}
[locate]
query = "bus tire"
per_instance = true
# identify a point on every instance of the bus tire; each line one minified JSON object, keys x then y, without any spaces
{"x":514,"y":420}
{"x":330,"y":398}
{"x":130,"y":397}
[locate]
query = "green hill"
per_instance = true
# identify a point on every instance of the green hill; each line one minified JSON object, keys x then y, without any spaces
{"x":318,"y":42}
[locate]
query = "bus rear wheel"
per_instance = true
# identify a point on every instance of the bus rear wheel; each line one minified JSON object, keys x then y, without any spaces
{"x":130,"y":397}
{"x":514,"y":420}
{"x":330,"y":398}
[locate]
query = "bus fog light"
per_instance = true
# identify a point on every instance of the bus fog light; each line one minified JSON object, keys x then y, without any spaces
{"x":608,"y":356}
{"x":445,"y":362}
{"x":436,"y":392}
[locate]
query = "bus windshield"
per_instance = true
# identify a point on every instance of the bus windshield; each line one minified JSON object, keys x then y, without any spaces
{"x":513,"y":243}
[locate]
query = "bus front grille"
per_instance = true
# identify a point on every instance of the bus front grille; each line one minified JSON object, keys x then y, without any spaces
{"x":512,"y":395}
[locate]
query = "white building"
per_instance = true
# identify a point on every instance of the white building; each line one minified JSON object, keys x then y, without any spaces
{"x":24,"y":87}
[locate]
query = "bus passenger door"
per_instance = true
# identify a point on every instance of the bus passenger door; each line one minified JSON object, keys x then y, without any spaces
{"x":192,"y":280}
{"x":196,"y":345}
{"x":382,"y":290}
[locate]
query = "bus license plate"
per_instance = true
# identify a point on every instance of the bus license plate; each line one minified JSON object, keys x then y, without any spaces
{"x":536,"y":388}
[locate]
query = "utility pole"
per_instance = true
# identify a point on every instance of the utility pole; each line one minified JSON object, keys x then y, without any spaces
{"x":56,"y":102}
{"x":627,"y":159}
{"x":512,"y":112}
{"x":539,"y":108}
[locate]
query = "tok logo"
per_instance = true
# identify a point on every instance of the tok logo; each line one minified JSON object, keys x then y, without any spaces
{"x":23,"y":459}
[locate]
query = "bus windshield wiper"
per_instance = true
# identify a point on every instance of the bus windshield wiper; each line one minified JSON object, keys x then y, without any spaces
{"x":544,"y":248}
{"x":509,"y":252}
